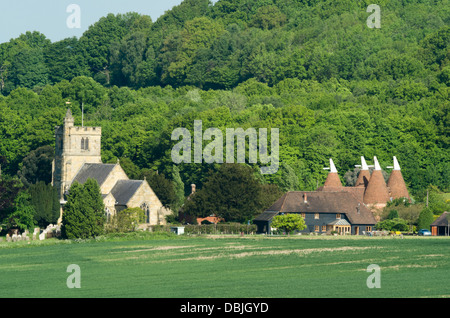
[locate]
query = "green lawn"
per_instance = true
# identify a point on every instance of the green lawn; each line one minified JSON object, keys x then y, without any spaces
{"x":229,"y":267}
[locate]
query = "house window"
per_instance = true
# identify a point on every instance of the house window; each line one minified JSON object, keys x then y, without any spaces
{"x":303,"y":215}
{"x":316,"y":228}
{"x":338,"y":215}
{"x":316,"y":216}
{"x":324,"y":228}
{"x":368,"y":229}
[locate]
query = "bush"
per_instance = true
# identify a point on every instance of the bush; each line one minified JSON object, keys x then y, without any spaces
{"x":220,"y":228}
{"x":395,"y":224}
{"x":126,"y":220}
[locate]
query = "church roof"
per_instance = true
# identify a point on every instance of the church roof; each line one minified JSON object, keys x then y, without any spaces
{"x":124,"y":190}
{"x":323,"y":202}
{"x":97,"y":171}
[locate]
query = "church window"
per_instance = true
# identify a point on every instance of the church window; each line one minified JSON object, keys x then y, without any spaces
{"x":146,"y":208}
{"x":84,"y":143}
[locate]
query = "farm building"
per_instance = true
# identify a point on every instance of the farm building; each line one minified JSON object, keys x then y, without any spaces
{"x":441,"y":226}
{"x":334,"y":207}
{"x":323,"y":212}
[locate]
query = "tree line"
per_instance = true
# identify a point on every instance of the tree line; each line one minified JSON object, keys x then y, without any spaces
{"x":334,"y":87}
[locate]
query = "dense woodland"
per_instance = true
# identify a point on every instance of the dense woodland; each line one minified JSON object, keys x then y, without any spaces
{"x":312,"y":68}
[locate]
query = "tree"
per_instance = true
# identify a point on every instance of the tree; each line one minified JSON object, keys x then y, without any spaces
{"x":45,"y":200}
{"x":425,"y":219}
{"x":83,"y":215}
{"x":232,"y":192}
{"x":268,"y":17}
{"x":289,"y":222}
{"x":37,"y":166}
{"x":163,"y":187}
{"x":178,"y":189}
{"x":28,"y":69}
{"x":23,"y":214}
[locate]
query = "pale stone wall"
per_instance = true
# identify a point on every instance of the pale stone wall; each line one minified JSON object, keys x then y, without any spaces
{"x":145,"y":194}
{"x":116,"y":174}
{"x":109,"y":201}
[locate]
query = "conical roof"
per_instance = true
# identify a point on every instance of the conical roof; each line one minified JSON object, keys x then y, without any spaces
{"x":376,"y":191}
{"x":333,"y":177}
{"x":396,"y":183}
{"x":364,"y":174}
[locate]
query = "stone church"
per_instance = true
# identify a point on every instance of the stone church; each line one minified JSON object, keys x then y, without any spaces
{"x":78,"y":157}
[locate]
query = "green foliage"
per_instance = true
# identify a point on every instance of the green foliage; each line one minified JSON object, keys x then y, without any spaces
{"x":23,"y":214}
{"x":83,"y":215}
{"x":45,"y":200}
{"x":395,"y":224}
{"x":232,"y":192}
{"x":425,"y":219}
{"x":289,"y":222}
{"x":126,"y":220}
{"x":37,"y":166}
{"x":313,"y":69}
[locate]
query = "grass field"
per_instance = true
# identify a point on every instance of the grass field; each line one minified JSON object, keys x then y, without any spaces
{"x":228,"y":267}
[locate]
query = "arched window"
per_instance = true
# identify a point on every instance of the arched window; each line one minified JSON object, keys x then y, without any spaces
{"x":146,"y":208}
{"x":82,"y":143}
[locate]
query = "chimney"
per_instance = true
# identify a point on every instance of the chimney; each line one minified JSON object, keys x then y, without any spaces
{"x":305,"y":198}
{"x":358,"y":208}
{"x":192,"y":188}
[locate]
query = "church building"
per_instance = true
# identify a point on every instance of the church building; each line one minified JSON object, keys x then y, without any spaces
{"x":78,"y":157}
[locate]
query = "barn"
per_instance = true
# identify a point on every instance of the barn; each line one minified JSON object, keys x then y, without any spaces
{"x":441,"y":226}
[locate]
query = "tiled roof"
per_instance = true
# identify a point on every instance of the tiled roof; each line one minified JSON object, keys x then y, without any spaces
{"x":397,"y":185}
{"x":323,"y":202}
{"x":443,"y":220}
{"x":376,"y":191}
{"x":97,"y":171}
{"x":124,"y":190}
{"x":332,"y":180}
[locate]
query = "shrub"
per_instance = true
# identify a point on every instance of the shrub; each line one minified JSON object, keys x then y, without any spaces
{"x":395,"y":224}
{"x":126,"y":220}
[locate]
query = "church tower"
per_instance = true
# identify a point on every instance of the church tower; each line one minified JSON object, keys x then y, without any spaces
{"x":74,"y":146}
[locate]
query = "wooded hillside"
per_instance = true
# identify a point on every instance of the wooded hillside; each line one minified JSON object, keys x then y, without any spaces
{"x":312,"y":68}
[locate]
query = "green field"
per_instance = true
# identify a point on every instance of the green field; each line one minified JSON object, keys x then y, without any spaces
{"x":231,"y":267}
